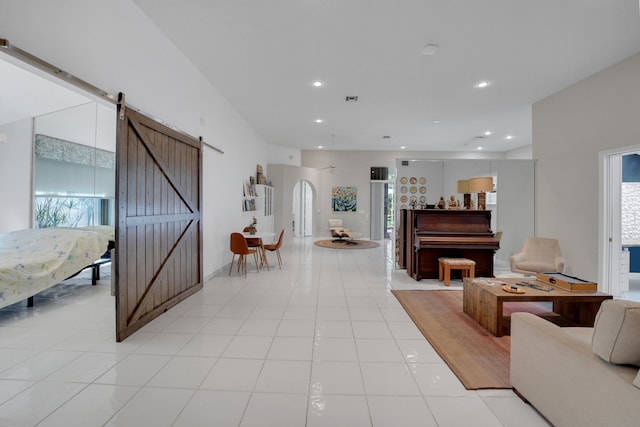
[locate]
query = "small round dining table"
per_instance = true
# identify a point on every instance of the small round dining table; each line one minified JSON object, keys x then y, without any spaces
{"x":261,"y":235}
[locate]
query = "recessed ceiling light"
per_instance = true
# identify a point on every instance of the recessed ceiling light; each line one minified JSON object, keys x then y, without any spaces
{"x":487,"y":133}
{"x":403,"y":147}
{"x":317,"y":83}
{"x":430,"y":49}
{"x":482,"y":84}
{"x":435,"y":122}
{"x":319,"y":121}
{"x":479,"y":148}
{"x":509,"y":137}
{"x":320,"y":147}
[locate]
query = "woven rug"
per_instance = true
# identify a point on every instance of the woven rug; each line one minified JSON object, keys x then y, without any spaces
{"x":347,"y":244}
{"x":479,"y":359}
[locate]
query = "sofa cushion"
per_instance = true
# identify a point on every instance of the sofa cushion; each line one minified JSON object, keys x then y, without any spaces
{"x":636,"y":382}
{"x":616,"y":332}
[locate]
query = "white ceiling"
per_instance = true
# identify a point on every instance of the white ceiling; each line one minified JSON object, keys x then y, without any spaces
{"x":263,"y":56}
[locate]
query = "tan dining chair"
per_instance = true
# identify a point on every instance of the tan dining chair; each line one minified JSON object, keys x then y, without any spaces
{"x":275,"y":247}
{"x":238,"y":245}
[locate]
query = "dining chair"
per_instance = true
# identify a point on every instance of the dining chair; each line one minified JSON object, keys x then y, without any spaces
{"x":275,"y":247}
{"x":255,"y":242}
{"x":238,"y":245}
{"x":252,"y":242}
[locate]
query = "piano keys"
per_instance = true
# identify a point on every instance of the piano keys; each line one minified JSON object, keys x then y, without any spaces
{"x":429,"y":234}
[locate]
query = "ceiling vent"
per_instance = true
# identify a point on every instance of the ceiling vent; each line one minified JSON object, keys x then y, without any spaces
{"x":351,"y":99}
{"x":405,"y":163}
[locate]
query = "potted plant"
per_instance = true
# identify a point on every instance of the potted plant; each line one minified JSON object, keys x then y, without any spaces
{"x":252,"y":227}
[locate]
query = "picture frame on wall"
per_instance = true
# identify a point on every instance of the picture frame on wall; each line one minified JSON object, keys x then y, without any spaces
{"x":344,"y":199}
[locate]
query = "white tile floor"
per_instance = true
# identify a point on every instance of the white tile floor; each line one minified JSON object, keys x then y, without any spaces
{"x":633,"y":293}
{"x":321,"y":342}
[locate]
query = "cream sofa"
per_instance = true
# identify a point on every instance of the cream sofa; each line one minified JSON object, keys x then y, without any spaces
{"x":558,"y":372}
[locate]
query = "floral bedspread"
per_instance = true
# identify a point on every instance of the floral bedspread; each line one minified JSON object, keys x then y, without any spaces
{"x":35,"y":259}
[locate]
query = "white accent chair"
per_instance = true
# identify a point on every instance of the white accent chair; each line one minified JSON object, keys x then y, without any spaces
{"x":538,"y":255}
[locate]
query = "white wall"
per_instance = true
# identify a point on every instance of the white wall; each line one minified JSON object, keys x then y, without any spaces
{"x":515,"y":218}
{"x":284,"y":179}
{"x":279,"y":155}
{"x":515,"y":188}
{"x":115,"y":47}
{"x":570,"y":128}
{"x":15,"y":176}
{"x":525,"y":152}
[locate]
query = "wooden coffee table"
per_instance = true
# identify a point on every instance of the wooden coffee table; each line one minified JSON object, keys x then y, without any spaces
{"x":484,"y":302}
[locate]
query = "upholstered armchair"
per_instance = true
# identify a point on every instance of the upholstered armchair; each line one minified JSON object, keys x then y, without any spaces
{"x":538,"y":255}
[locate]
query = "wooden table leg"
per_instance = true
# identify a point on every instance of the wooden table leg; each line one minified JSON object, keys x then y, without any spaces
{"x":264,"y":255}
{"x":447,"y":274}
{"x":498,"y":316}
{"x":489,"y":314}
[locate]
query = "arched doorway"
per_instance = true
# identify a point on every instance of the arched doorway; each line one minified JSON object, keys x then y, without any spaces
{"x":303,"y":195}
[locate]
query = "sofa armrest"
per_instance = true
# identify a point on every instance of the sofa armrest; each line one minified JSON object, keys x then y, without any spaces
{"x":565,"y":380}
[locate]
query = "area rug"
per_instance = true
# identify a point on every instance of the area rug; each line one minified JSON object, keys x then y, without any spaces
{"x":479,"y":359}
{"x":356,"y":244}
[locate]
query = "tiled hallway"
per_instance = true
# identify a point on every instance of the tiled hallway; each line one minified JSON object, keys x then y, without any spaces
{"x":322,"y":342}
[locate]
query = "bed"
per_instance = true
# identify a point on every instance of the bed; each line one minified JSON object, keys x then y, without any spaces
{"x":35,"y":259}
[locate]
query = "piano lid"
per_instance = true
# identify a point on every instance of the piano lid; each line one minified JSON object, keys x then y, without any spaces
{"x":457,"y":242}
{"x":453,"y":221}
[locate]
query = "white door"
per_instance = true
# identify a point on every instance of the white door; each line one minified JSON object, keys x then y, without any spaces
{"x":302,"y":209}
{"x":611,"y":278}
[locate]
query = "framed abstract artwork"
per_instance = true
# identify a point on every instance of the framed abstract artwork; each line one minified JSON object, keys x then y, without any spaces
{"x":343,"y":199}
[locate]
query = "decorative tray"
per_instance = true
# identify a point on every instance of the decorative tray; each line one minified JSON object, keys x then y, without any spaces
{"x":517,"y":290}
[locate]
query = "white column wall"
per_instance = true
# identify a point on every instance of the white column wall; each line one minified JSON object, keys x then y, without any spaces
{"x":570,"y":128}
{"x":15,"y":175}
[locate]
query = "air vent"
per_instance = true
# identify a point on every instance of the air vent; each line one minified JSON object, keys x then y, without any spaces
{"x":405,"y":163}
{"x":351,"y":99}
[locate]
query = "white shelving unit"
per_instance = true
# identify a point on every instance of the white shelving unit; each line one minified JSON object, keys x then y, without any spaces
{"x":249,"y":197}
{"x":258,"y":202}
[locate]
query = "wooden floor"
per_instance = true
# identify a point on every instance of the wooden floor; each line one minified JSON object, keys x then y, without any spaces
{"x":479,"y":359}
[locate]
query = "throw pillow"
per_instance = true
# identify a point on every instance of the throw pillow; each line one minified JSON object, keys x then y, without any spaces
{"x":616,"y":332}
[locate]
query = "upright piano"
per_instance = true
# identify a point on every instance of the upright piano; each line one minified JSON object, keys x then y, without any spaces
{"x":433,"y":233}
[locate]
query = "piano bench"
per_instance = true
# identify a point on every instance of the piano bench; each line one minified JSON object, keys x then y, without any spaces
{"x":445,"y":265}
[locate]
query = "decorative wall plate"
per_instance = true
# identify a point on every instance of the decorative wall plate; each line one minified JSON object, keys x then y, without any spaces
{"x":423,"y":190}
{"x":404,"y":199}
{"x":413,"y":180}
{"x":403,"y":189}
{"x":413,"y":199}
{"x":423,"y":180}
{"x":403,"y":180}
{"x":423,"y":199}
{"x":403,"y":206}
{"x":413,"y":190}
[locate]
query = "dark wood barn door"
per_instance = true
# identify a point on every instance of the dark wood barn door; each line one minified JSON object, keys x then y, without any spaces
{"x":158,"y":232}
